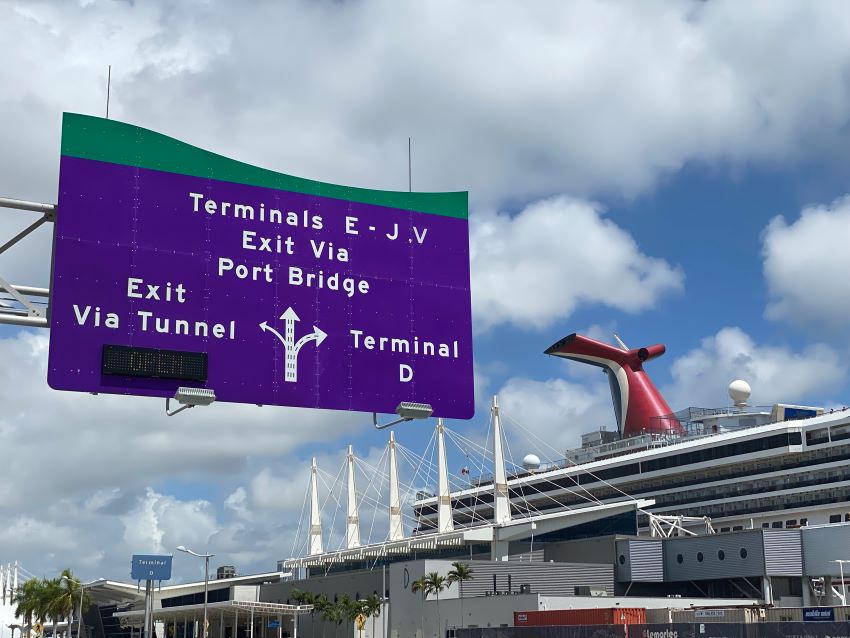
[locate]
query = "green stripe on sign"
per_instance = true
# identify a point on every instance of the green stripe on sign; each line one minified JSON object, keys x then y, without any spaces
{"x":104,"y":140}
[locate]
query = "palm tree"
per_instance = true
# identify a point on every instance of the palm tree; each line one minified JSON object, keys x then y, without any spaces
{"x":460,"y":573}
{"x":335,"y":613}
{"x":321,"y":604}
{"x":305,"y":598}
{"x":419,"y":586}
{"x":52,"y":593}
{"x":435,"y":583}
{"x":69,"y":595}
{"x":371,"y":608}
{"x":42,"y":601}
{"x":310,"y":599}
{"x":26,"y":600}
{"x":349,"y":608}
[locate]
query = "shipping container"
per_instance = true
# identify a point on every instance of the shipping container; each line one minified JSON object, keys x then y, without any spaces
{"x":744,"y":615}
{"x":795,"y":614}
{"x":563,"y":617}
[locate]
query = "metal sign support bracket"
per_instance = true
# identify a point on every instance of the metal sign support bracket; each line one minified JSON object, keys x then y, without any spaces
{"x":25,"y":305}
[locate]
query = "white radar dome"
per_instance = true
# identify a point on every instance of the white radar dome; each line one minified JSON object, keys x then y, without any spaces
{"x":531,"y":462}
{"x":739,"y":391}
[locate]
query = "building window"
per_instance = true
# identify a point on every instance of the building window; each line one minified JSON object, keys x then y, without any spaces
{"x":721,"y":554}
{"x":680,"y":559}
{"x":743,"y":553}
{"x":622,"y":559}
{"x":699,"y":557}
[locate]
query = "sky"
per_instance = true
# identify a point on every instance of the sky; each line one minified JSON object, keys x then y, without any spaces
{"x":674,"y":172}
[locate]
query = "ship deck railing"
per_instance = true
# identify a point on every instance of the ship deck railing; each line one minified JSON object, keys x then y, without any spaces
{"x":690,"y":419}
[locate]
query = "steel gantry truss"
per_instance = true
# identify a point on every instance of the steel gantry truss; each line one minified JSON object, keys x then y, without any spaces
{"x":25,"y":305}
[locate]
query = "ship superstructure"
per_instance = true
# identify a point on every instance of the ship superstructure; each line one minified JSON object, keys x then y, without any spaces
{"x":780,"y":466}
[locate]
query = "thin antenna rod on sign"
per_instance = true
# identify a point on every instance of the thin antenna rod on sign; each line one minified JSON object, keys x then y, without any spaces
{"x":108,"y":86}
{"x":409,"y":168}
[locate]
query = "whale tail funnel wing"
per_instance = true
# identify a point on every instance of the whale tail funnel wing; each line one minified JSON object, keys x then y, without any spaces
{"x":638,"y":404}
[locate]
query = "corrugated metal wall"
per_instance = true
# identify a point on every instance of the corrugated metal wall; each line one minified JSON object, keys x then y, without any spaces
{"x":714,"y":556}
{"x":553,"y":579}
{"x":647,"y":561}
{"x":821,"y":546}
{"x":783,"y":553}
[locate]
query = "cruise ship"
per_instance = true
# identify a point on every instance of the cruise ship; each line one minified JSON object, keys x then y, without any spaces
{"x":730,"y":468}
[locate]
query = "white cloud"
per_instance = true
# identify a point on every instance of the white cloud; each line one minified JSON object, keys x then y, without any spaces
{"x":80,"y":468}
{"x":280,"y":492}
{"x":806,"y":265}
{"x":549,"y":417}
{"x":587,"y":98}
{"x":536,"y":267}
{"x":115,"y":441}
{"x":775,"y":373}
{"x":238,"y":502}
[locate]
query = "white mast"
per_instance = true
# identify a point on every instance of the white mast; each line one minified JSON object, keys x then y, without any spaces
{"x":502,"y":504}
{"x":396,"y":527}
{"x":444,"y":496}
{"x":315,"y":516}
{"x":352,"y":536}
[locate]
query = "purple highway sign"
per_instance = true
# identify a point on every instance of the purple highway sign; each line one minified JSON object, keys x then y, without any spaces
{"x":177,"y":267}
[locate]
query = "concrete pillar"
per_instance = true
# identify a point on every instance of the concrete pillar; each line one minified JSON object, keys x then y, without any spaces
{"x":501,"y":502}
{"x":767,"y":590}
{"x":352,"y":536}
{"x":499,"y":550}
{"x":445,"y":522}
{"x":315,"y":515}
{"x":396,"y":525}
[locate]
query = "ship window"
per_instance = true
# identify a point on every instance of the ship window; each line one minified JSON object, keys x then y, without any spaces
{"x":791,"y":523}
{"x":804,"y":522}
{"x":738,"y":528}
{"x":835,"y":518}
{"x":776,"y":524}
{"x":622,"y":559}
{"x":764,"y":525}
{"x":724,"y":529}
{"x":722,"y":451}
{"x":680,"y":559}
{"x":699,"y":557}
{"x":721,"y":554}
{"x":847,"y":518}
{"x":743,"y":553}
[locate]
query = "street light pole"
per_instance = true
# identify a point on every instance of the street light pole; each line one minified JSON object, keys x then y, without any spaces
{"x":206,"y":590}
{"x":82,"y":591}
{"x":206,"y":558}
{"x":80,"y":617}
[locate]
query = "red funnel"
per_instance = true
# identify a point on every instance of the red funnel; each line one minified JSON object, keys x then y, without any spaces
{"x":639,"y":406}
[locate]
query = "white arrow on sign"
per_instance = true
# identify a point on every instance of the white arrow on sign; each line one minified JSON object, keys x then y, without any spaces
{"x":290,"y":346}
